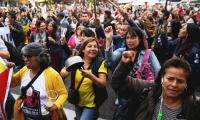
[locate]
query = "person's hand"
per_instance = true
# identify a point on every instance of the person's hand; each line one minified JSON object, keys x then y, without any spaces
{"x":97,"y":22}
{"x":152,"y":47}
{"x":174,"y":56}
{"x":10,"y":64}
{"x":11,"y":27}
{"x":51,"y":109}
{"x":109,"y":33}
{"x":123,"y":13}
{"x":63,"y":40}
{"x":169,"y":38}
{"x":86,"y":73}
{"x":64,"y":73}
{"x":51,"y":39}
{"x":113,"y":22}
{"x":44,"y":43}
{"x":161,"y":30}
{"x":128,"y":57}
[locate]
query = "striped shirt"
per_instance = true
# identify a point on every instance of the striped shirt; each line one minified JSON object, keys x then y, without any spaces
{"x":168,"y":114}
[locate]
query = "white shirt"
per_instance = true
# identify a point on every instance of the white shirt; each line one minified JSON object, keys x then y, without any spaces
{"x":38,"y":85}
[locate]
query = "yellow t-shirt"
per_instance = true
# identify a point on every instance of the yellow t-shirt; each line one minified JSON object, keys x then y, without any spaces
{"x":86,"y":91}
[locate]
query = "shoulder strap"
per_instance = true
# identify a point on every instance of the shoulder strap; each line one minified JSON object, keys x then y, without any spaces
{"x":24,"y":89}
{"x":80,"y":83}
{"x":145,"y":92}
{"x":146,"y":56}
{"x":96,"y":63}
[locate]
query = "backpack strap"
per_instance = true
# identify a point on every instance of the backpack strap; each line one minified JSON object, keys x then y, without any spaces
{"x":146,"y":56}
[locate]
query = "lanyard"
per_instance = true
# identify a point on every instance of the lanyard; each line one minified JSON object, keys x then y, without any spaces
{"x":160,"y":110}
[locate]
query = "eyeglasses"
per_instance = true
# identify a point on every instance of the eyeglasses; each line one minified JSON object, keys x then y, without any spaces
{"x":27,"y":57}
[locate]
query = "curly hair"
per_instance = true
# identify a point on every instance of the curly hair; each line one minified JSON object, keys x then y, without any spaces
{"x":40,"y":51}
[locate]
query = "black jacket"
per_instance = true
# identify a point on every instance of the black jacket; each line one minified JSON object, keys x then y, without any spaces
{"x":17,"y":34}
{"x":123,"y":83}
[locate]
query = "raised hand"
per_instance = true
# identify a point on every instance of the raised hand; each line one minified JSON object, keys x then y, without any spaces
{"x":10,"y":64}
{"x":109,"y":35}
{"x":97,"y":22}
{"x":128,"y":57}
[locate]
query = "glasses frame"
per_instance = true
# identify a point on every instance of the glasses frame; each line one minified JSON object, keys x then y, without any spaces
{"x":28,"y":57}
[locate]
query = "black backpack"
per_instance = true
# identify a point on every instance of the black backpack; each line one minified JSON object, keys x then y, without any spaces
{"x":126,"y":111}
{"x":14,"y":56}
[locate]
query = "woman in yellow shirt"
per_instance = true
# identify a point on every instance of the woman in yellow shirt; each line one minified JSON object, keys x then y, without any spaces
{"x":94,"y":73}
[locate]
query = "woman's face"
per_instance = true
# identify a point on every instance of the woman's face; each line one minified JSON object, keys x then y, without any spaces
{"x":132,"y":42}
{"x":83,"y":37}
{"x":147,"y":22}
{"x":118,"y":29}
{"x":30,"y":61}
{"x":50,"y":27}
{"x":169,"y":28}
{"x":174,"y":82}
{"x":91,"y":50}
{"x":183,"y":32}
{"x":78,"y":32}
{"x":42,"y":27}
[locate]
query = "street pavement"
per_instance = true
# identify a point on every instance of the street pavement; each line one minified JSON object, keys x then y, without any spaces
{"x":106,"y":110}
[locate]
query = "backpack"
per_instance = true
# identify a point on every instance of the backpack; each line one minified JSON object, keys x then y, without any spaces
{"x":126,"y":111}
{"x":145,"y":71}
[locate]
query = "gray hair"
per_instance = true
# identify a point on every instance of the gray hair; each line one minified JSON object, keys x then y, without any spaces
{"x":40,"y":51}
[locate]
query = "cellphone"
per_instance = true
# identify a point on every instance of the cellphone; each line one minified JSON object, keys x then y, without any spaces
{"x":81,"y":68}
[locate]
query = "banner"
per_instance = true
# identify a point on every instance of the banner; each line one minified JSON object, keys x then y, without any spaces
{"x":5,"y":79}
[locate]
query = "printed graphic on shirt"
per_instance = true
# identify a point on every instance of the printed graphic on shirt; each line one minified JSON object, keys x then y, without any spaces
{"x":31,"y":106}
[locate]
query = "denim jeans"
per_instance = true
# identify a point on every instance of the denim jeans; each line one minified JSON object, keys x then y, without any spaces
{"x":64,"y":58}
{"x":83,"y":113}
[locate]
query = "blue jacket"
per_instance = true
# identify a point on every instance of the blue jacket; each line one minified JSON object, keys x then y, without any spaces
{"x":118,"y":42}
{"x":116,"y":56}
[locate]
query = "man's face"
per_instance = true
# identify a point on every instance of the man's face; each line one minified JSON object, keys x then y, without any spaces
{"x":123,"y":30}
{"x":160,"y":15}
{"x":105,"y":16}
{"x":10,"y":19}
{"x":85,"y":18}
{"x":59,"y":18}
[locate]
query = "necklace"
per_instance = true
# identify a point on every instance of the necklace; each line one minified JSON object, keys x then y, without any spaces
{"x":169,"y":106}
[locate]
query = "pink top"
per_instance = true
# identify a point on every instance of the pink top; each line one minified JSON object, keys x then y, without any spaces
{"x":73,"y":41}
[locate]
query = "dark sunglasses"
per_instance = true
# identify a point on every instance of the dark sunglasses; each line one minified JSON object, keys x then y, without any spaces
{"x":27,"y":56}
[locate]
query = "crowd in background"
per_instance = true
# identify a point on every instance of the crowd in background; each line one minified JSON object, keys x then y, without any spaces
{"x":106,"y":33}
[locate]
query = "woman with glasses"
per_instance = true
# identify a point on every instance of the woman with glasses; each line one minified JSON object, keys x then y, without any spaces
{"x":40,"y":34}
{"x":186,"y":46}
{"x":34,"y":104}
{"x":54,"y":46}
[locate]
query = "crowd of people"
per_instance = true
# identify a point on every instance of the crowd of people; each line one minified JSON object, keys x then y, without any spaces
{"x":144,"y":47}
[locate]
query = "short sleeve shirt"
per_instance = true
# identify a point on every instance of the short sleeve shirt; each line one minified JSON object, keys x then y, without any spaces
{"x":86,"y":91}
